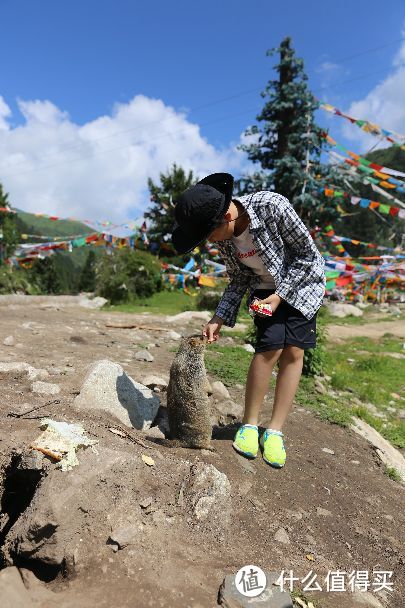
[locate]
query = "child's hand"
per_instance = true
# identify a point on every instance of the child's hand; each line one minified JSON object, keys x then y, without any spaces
{"x":212,"y":329}
{"x":274,"y":300}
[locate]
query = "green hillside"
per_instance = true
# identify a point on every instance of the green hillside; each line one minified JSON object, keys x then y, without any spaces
{"x":27,"y":223}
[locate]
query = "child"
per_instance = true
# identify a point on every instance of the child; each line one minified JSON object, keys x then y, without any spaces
{"x":267,"y":249}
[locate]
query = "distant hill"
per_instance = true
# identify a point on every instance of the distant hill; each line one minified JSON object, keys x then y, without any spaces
{"x":28,"y":223}
{"x":392,"y":157}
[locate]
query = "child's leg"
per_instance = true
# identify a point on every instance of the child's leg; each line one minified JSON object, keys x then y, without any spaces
{"x":288,"y":377}
{"x":257,"y":383}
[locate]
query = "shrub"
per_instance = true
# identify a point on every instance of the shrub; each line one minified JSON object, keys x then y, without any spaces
{"x":314,"y":358}
{"x":208,"y":299}
{"x":14,"y":280}
{"x":127,"y":275}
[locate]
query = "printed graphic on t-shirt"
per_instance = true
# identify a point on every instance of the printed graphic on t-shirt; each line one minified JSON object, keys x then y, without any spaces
{"x":246,"y":254}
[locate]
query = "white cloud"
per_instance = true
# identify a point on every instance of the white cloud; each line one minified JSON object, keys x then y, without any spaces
{"x":383,"y":105}
{"x":327,"y":67}
{"x":99,"y":170}
{"x":5,"y":112}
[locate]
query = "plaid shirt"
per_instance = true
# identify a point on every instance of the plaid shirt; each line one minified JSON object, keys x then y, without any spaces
{"x":288,"y":252}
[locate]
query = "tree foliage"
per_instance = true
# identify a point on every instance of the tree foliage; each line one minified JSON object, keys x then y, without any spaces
{"x":127,"y":275}
{"x":287,"y":143}
{"x":8,"y":228}
{"x":164,"y":197}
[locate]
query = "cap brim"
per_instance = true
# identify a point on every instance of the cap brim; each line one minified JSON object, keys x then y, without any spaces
{"x":184,"y":242}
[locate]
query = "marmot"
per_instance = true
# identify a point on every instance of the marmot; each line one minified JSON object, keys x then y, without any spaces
{"x":187,"y":395}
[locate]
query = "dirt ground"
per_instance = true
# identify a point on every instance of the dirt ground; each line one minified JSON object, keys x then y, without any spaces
{"x":339,"y":511}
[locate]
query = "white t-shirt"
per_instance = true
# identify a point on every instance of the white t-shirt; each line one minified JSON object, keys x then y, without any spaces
{"x":246,"y":253}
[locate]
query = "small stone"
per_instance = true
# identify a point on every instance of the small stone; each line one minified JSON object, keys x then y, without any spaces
{"x":144,"y":355}
{"x":240,"y":387}
{"x":395,"y":395}
{"x":328,"y":451}
{"x":155,"y":382}
{"x":351,"y":360}
{"x":173,"y":335}
{"x":323,"y":512}
{"x":281,"y":536}
{"x":9,"y":341}
{"x":45,"y":388}
{"x":124,"y":536}
{"x":146,"y":502}
{"x":270,"y":597}
{"x":249,"y":348}
{"x":220,"y":391}
{"x":355,"y":461}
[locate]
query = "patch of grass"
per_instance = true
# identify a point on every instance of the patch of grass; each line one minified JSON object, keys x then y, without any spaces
{"x":325,"y":406}
{"x":229,"y":364}
{"x":163,"y":302}
{"x":393,"y":473}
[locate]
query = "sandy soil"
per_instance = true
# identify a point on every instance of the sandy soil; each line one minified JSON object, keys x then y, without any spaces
{"x":339,"y":511}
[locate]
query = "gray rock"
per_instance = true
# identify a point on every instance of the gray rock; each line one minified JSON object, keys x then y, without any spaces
{"x":173,"y":335}
{"x":33,"y":374}
{"x":220,"y":391}
{"x":9,"y":341}
{"x":323,"y":512}
{"x":124,"y":536}
{"x":45,"y":388}
{"x":281,"y":536}
{"x":189,"y":315}
{"x":207,"y":496}
{"x":155,"y":381}
{"x":367,"y":599}
{"x":341,"y":310}
{"x":320,"y":387}
{"x":13,"y":593}
{"x":94,"y":303}
{"x":107,"y":387}
{"x":270,"y":597}
{"x":144,"y":355}
{"x":226,"y":411}
{"x":249,"y":348}
{"x":328,"y":451}
{"x":389,"y":455}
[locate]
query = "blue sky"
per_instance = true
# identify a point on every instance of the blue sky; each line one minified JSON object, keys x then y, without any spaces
{"x":70,"y":72}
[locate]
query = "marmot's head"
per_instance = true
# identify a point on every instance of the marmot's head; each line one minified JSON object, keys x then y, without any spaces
{"x":196,"y":342}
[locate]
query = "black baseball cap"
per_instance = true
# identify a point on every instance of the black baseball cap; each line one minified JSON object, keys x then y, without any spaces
{"x":199,"y":209}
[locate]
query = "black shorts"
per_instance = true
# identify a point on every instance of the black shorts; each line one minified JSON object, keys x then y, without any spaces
{"x":286,"y":326}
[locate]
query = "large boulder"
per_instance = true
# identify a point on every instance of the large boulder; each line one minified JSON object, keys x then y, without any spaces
{"x":107,"y":387}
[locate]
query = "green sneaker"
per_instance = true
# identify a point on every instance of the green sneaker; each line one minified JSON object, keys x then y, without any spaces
{"x":247,"y":440}
{"x":273,"y":448}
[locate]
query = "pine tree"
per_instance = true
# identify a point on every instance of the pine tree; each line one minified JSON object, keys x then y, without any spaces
{"x":163,"y":197}
{"x":8,"y":228}
{"x":87,"y":279}
{"x":287,"y":144}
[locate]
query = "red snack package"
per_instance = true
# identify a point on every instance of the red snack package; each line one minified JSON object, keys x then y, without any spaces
{"x":263,"y":309}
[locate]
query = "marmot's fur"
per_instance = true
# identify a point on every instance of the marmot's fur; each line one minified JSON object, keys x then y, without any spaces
{"x":187,"y":395}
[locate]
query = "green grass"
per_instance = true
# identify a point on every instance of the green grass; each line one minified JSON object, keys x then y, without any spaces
{"x":229,"y":364}
{"x":163,"y":302}
{"x":369,"y":314}
{"x":393,"y":473}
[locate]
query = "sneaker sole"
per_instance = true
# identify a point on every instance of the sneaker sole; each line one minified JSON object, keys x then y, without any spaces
{"x":273,"y":464}
{"x":247,"y":454}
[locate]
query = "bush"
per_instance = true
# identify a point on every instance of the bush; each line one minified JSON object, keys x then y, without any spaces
{"x":314,"y":358}
{"x":127,"y":275}
{"x":13,"y":280}
{"x":208,"y":299}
